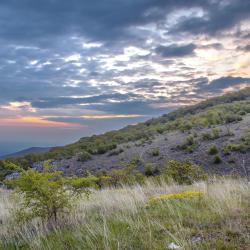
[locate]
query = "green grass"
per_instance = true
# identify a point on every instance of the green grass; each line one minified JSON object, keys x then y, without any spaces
{"x":121,"y":219}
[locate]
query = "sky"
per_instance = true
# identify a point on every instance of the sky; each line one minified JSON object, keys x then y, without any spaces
{"x":75,"y":68}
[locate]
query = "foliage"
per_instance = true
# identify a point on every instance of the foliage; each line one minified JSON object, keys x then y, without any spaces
{"x":117,"y":218}
{"x":116,"y":152}
{"x":83,"y":156}
{"x":128,"y":175}
{"x":215,"y":133}
{"x":213,"y":150}
{"x":183,"y":172}
{"x":156,"y":152}
{"x":4,"y":171}
{"x":151,"y":170}
{"x":217,"y":159}
{"x":46,"y":194}
{"x":233,"y":147}
{"x":189,"y":145}
{"x":174,"y":196}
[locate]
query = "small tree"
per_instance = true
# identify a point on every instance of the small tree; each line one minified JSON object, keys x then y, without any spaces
{"x":184,"y":172}
{"x":46,"y":194}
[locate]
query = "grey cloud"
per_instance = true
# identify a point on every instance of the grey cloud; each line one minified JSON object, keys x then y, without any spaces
{"x":99,"y":20}
{"x":175,"y":50}
{"x":225,"y":82}
{"x":64,"y":101}
{"x":220,"y":16}
{"x":244,"y":48}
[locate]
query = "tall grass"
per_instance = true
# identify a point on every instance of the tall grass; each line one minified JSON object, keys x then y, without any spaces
{"x":120,"y":219}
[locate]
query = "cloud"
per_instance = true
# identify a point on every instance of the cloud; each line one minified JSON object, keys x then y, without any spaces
{"x":97,"y":20}
{"x":218,"y":85}
{"x":245,"y":48}
{"x":64,"y":101}
{"x":175,"y":50}
{"x":116,"y":59}
{"x":218,"y":16}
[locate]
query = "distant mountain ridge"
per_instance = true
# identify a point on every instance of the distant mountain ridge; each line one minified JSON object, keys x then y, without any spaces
{"x":25,"y":152}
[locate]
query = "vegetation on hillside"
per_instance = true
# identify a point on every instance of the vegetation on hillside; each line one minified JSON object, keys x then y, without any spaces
{"x":221,"y":110}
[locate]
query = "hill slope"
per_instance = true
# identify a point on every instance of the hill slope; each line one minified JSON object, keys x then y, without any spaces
{"x":33,"y":150}
{"x":214,"y":134}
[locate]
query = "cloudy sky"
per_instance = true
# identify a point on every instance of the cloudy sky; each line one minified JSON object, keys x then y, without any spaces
{"x":73,"y":68}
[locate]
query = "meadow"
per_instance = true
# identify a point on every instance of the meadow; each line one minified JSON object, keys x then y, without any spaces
{"x":212,"y":214}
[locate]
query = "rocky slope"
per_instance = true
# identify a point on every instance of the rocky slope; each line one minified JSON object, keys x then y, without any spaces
{"x":169,"y":146}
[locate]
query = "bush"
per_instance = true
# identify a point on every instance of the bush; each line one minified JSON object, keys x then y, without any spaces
{"x":189,"y":145}
{"x":217,"y":159}
{"x":229,"y":118}
{"x":206,"y":136}
{"x":216,"y":133}
{"x":46,"y":194}
{"x":151,"y":170}
{"x":233,"y":147}
{"x":213,"y":150}
{"x":156,"y":152}
{"x":184,"y":172}
{"x":116,"y":152}
{"x":83,"y":156}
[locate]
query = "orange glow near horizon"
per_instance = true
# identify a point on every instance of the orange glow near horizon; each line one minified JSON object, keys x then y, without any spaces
{"x":37,"y":122}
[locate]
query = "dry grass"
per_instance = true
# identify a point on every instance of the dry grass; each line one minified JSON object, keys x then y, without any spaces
{"x":119,"y":219}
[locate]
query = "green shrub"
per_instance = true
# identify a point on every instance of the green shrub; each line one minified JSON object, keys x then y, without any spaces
{"x":232,"y":160}
{"x":232,"y":118}
{"x":242,"y":112}
{"x":185,"y":126}
{"x":213,"y":150}
{"x":216,"y":133}
{"x":84,"y":156}
{"x":46,"y":194}
{"x":233,"y":147}
{"x":116,"y":152}
{"x":206,"y":136}
{"x":184,"y":172}
{"x":156,"y":152}
{"x":217,"y":159}
{"x":189,"y":145}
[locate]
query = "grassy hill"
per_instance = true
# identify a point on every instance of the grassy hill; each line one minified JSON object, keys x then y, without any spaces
{"x":148,"y":191}
{"x":222,"y":122}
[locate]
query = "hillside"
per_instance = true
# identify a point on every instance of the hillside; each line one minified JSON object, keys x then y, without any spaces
{"x":22,"y":153}
{"x":214,"y":134}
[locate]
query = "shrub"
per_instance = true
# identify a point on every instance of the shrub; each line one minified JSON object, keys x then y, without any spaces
{"x":206,"y":136}
{"x":83,"y":156}
{"x":151,"y":170}
{"x":46,"y":194}
{"x":233,"y":147}
{"x":184,"y":172}
{"x":232,"y":160}
{"x":185,"y":126}
{"x":116,"y":152}
{"x":156,"y":152}
{"x":189,"y":145}
{"x":217,"y":159}
{"x":213,"y":150}
{"x":232,"y":118}
{"x":242,"y":112}
{"x":216,"y":133}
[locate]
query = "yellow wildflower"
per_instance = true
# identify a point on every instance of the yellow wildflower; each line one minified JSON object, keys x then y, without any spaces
{"x":174,"y":196}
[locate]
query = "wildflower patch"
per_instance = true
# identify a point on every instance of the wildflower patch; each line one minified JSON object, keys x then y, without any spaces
{"x":174,"y":196}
